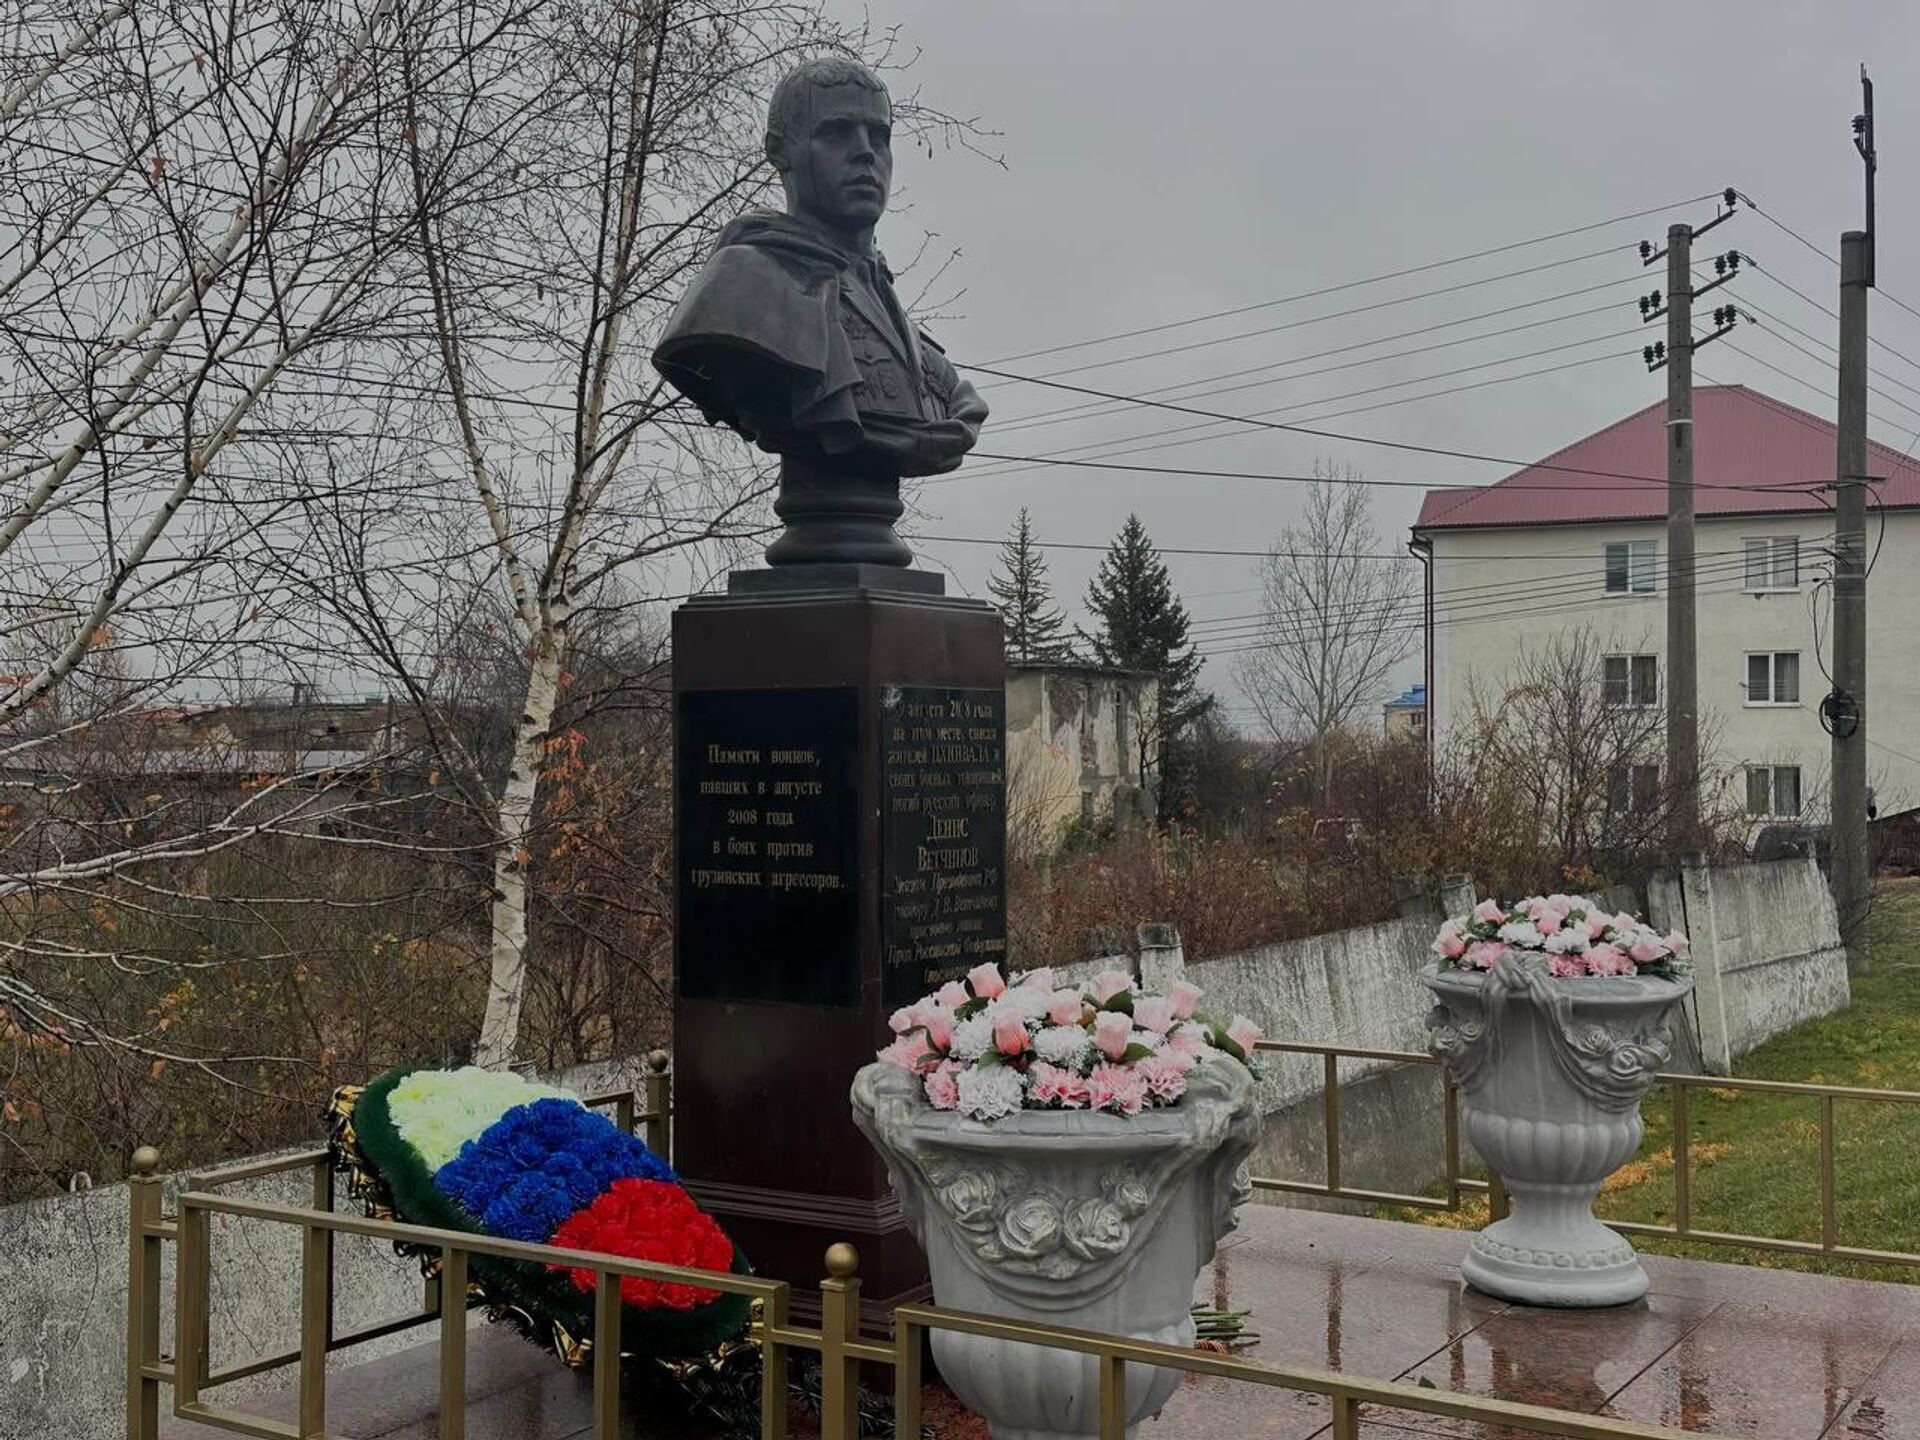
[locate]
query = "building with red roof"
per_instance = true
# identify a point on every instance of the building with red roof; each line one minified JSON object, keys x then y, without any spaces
{"x":1573,"y":549}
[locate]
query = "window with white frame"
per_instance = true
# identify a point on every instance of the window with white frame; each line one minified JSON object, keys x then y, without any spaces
{"x":1629,"y":567}
{"x":1773,"y":564}
{"x":1630,"y":680}
{"x":1773,"y":677}
{"x":1774,"y":790}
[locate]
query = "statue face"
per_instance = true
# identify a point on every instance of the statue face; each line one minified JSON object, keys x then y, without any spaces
{"x":840,"y":170}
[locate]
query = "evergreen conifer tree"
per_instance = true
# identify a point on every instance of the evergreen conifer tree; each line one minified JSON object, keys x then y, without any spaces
{"x":1035,"y":628}
{"x":1143,"y":626}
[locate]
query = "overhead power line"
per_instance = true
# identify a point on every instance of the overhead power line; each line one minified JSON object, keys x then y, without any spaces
{"x":1256,"y":417}
{"x":1094,"y":410}
{"x":1331,"y":315}
{"x":1258,"y":424}
{"x":1350,"y":284}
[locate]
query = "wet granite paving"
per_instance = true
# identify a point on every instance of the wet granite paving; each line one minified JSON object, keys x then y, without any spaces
{"x":1729,"y":1349}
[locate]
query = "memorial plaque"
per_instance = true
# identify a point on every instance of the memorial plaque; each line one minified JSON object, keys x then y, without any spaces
{"x":943,"y":847}
{"x":767,"y":795}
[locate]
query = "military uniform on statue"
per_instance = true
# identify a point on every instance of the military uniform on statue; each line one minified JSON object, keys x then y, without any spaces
{"x":800,"y":920}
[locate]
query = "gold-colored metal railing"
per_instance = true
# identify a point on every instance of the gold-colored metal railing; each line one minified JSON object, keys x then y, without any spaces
{"x":1347,"y":1393}
{"x":837,"y":1341}
{"x":1679,"y":1087}
{"x":150,"y":1230}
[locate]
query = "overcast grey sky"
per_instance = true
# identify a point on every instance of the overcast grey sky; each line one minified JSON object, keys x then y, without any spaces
{"x":1167,"y":160}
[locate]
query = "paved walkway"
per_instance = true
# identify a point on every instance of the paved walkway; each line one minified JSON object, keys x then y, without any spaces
{"x":1732,"y":1349}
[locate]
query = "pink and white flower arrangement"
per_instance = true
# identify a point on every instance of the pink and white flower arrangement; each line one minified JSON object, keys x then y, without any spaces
{"x":990,"y":1046}
{"x":1578,"y":935}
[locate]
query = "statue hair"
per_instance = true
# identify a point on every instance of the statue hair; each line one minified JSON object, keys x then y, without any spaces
{"x":786,"y":113}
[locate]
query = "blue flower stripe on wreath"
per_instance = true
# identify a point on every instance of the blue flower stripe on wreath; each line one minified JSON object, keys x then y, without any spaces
{"x":547,"y":1295}
{"x":525,"y":1174}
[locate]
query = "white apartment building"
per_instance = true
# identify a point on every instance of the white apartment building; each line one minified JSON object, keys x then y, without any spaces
{"x":1578,"y":540}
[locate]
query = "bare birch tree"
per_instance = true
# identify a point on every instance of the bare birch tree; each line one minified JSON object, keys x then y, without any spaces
{"x":567,"y":187}
{"x":1337,"y":618}
{"x":197,"y":213}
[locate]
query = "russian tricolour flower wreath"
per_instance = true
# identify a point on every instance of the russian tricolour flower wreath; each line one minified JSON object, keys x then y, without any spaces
{"x":488,"y":1153}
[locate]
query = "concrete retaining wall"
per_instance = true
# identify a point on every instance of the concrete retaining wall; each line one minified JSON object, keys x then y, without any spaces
{"x":1766,"y":951}
{"x":1355,"y":988}
{"x":63,"y":1296}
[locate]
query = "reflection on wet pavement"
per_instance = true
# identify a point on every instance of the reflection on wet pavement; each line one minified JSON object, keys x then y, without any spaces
{"x":1730,"y":1349}
{"x":1716,"y":1347}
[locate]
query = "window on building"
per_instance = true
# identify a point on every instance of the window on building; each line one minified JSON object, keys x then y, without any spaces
{"x":1633,"y":789}
{"x":1630,"y":567}
{"x":1630,"y":680}
{"x":1773,"y":677}
{"x":1773,"y":564}
{"x":1773,"y":790}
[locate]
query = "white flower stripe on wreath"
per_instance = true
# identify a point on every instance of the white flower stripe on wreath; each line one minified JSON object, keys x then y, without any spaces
{"x":438,"y":1111}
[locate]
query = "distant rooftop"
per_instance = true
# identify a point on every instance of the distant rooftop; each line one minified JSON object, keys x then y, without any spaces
{"x":1412,"y":699}
{"x":1752,"y":455}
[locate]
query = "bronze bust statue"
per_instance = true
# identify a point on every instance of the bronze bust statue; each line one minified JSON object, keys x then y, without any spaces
{"x":792,"y":334}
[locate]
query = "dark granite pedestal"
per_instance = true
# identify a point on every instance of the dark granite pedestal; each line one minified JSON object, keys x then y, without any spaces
{"x":840,"y":818}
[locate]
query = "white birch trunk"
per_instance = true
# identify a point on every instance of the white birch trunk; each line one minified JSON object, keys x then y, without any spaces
{"x":512,"y":857}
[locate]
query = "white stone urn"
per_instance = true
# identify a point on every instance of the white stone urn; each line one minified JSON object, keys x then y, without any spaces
{"x":1064,"y":1218}
{"x":1551,"y":1075}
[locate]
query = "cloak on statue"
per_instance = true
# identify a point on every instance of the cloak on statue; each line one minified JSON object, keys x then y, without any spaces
{"x":803,"y":348}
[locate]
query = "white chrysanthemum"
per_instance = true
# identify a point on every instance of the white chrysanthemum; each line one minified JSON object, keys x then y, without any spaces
{"x":1523,"y":933}
{"x":972,"y":1038}
{"x":1026,"y":1002}
{"x":1567,"y":940}
{"x":1067,"y":1046}
{"x":990,"y":1092}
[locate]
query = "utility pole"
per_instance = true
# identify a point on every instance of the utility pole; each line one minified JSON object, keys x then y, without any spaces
{"x":1844,"y":712}
{"x":1683,"y":681}
{"x":1676,"y":356}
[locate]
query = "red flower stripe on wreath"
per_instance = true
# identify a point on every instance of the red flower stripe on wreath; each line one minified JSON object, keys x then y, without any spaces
{"x":648,"y":1220}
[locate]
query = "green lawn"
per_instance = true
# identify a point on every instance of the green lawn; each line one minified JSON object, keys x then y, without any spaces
{"x":1756,"y":1157}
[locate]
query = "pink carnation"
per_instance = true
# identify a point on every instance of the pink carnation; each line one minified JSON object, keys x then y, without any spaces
{"x":1165,"y":1076}
{"x":1608,"y":960}
{"x":952,"y":995}
{"x":1244,"y":1033}
{"x":1488,"y":912}
{"x":1116,"y":1087}
{"x":986,"y":981}
{"x":1112,"y":1032}
{"x":1451,"y":945}
{"x":1566,"y":967}
{"x":1109,"y":983}
{"x":909,"y":1052}
{"x":1053,"y":1085}
{"x":1545,"y":920}
{"x":1483,"y":954}
{"x":1010,"y":1034}
{"x":1677,"y":943}
{"x":1185,"y":999}
{"x":1646,"y":950}
{"x":1067,"y":1008}
{"x":1597,"y":926}
{"x":901,"y":1021}
{"x":943,"y":1086}
{"x":1150,"y":1012}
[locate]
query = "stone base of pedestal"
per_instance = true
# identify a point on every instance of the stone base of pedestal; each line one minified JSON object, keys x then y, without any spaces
{"x":840,"y":833}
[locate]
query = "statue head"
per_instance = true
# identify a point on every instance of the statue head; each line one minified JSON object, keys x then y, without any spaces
{"x":829,"y":134}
